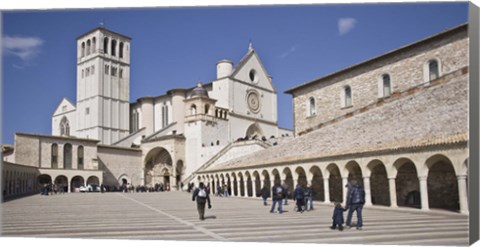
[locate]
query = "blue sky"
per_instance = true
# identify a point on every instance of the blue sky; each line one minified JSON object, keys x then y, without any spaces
{"x":176,"y":47}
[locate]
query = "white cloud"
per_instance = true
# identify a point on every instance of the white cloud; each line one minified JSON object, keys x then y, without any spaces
{"x":345,"y":25}
{"x":287,"y":53}
{"x":26,"y":48}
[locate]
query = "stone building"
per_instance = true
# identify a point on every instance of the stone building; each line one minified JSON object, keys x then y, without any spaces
{"x":397,"y":123}
{"x":105,"y":138}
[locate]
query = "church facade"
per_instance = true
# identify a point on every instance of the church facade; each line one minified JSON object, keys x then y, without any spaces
{"x":104,"y":138}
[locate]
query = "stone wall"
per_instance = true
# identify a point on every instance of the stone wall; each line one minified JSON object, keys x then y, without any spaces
{"x":406,"y":70}
{"x":116,"y":162}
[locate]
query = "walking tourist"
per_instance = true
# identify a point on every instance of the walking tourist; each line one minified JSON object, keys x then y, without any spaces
{"x":311,"y":195}
{"x":338,"y":217}
{"x":265,"y":193}
{"x":355,"y":202}
{"x":202,"y":196}
{"x":299,"y":197}
{"x":277,"y":195}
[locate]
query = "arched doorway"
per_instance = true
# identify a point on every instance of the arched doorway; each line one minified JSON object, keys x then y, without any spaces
{"x":442,"y":184}
{"x":158,"y":167}
{"x":407,"y":185}
{"x":354,"y":172}
{"x":77,"y":181}
{"x":379,"y":186}
{"x":235,"y":185}
{"x":287,"y":174}
{"x":257,"y":183}
{"x":266,"y":179}
{"x":317,"y":183}
{"x":62,"y":183}
{"x":335,"y":183}
{"x":93,"y":180}
{"x":249,"y":184}
{"x":241,"y":190}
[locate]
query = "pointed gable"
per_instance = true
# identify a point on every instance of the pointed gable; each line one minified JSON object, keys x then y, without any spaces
{"x":64,"y":107}
{"x":251,"y":70}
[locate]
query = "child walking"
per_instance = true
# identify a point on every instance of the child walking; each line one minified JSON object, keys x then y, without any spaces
{"x":338,"y":217}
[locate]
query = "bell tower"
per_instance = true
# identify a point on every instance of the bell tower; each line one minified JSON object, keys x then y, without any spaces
{"x":103,"y":85}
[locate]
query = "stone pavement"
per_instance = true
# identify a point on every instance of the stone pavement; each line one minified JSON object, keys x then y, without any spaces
{"x":173,"y":216}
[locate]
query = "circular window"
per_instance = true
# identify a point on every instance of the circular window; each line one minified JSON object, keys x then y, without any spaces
{"x":253,"y":76}
{"x":253,"y":101}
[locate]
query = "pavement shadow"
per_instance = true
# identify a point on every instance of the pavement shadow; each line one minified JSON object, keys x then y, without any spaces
{"x":211,"y":217}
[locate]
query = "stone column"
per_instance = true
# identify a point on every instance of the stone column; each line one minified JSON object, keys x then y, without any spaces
{"x":245,"y":187}
{"x":231,"y":187}
{"x":254,"y":187}
{"x":462,"y":193}
{"x":326,"y":189}
{"x":424,"y":192}
{"x":69,"y":185}
{"x":344,"y":189}
{"x":393,"y":192}
{"x":368,"y":193}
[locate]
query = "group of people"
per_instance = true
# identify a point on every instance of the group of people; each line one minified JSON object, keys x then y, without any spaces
{"x":302,"y":195}
{"x":53,"y":189}
{"x":354,"y":203}
{"x":223,"y":191}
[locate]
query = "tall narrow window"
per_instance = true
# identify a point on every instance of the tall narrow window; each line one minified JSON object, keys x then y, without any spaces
{"x":114,"y":47}
{"x":207,"y":107}
{"x":312,"y":107}
{"x":80,"y":158}
{"x":83,"y":49}
{"x":105,"y":45}
{"x":54,"y":156}
{"x":88,"y":47}
{"x":164,"y":115}
{"x":433,"y":71}
{"x":107,"y":68}
{"x":193,"y":110}
{"x":120,"y":74}
{"x":93,"y":69}
{"x":67,"y":156}
{"x":348,"y":96}
{"x":120,"y":51}
{"x":387,"y":89}
{"x":64,"y":127}
{"x":94,"y":44}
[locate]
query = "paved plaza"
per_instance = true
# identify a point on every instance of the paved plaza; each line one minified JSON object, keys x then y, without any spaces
{"x":173,"y":216}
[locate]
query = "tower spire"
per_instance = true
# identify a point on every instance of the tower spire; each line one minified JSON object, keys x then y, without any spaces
{"x":250,"y":45}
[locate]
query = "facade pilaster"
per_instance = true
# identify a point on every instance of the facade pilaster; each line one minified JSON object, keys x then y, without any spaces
{"x":368,"y":193}
{"x":326,"y":187}
{"x":424,"y":192}
{"x":462,"y":193}
{"x":393,"y":192}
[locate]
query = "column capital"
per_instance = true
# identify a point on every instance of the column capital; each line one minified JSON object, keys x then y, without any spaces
{"x":366,"y":177}
{"x":462,"y":177}
{"x":392,"y":178}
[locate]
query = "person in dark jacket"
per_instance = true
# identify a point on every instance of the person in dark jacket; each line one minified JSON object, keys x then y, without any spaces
{"x":202,"y":196}
{"x":265,"y":193}
{"x":277,"y":196}
{"x":299,"y":197}
{"x":355,"y":202}
{"x":338,"y":217}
